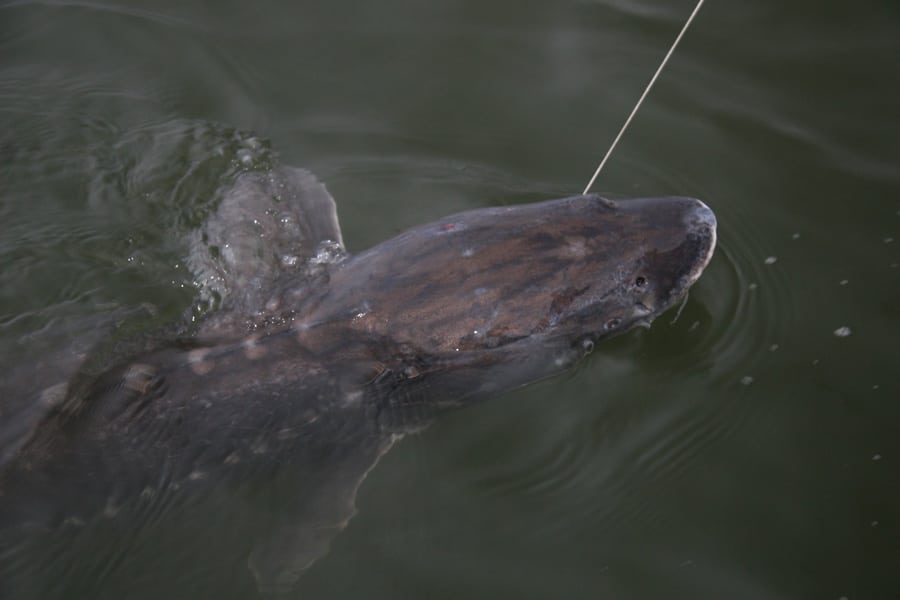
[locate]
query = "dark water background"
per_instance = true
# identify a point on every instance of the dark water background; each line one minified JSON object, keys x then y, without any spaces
{"x":745,"y":451}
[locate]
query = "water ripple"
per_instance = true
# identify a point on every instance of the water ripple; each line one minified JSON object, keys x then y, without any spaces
{"x":597,"y":463}
{"x":126,"y":11}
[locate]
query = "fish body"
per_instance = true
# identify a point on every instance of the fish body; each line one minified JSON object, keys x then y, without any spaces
{"x":273,"y":410}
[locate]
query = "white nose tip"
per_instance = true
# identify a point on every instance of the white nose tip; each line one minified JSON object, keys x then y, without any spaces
{"x":703,"y":215}
{"x":703,"y":221}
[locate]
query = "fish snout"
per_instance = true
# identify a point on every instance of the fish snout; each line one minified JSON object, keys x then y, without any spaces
{"x":701,"y":219}
{"x":701,"y":222}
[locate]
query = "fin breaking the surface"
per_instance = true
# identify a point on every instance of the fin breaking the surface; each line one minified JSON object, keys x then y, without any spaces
{"x":266,"y":225}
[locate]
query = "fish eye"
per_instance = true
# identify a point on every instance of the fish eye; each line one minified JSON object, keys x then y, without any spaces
{"x":612,"y":324}
{"x":640,"y":281}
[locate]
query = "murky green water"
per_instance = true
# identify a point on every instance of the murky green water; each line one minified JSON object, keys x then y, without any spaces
{"x":743,"y":451}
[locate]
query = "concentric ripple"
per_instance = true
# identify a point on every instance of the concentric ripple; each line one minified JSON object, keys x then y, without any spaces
{"x":637,"y":416}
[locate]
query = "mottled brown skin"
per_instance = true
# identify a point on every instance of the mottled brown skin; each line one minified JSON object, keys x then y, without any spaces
{"x":304,"y":402}
{"x":562,"y":269}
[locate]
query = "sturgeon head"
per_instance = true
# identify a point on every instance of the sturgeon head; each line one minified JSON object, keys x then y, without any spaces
{"x":488,"y":300}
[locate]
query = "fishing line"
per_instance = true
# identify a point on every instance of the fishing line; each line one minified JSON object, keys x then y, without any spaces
{"x":644,"y":95}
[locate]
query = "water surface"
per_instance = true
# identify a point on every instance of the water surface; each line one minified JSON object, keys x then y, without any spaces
{"x":744,"y":450}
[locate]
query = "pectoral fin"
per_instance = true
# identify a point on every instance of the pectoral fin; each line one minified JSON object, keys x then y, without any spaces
{"x":297,"y":538}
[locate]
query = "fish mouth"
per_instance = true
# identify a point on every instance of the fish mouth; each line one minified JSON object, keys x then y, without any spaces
{"x":643,"y":315}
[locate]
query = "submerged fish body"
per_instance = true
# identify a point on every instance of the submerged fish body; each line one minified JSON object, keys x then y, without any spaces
{"x":317,"y":362}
